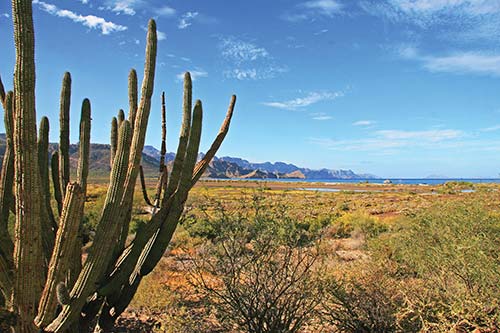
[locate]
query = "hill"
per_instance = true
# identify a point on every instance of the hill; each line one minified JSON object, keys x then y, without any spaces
{"x":220,"y":168}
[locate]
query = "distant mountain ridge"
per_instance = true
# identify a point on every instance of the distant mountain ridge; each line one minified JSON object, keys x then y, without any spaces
{"x":220,"y":168}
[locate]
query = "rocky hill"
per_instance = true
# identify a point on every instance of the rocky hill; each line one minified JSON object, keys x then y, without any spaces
{"x":220,"y":168}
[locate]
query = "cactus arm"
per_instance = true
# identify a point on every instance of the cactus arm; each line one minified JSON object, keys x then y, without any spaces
{"x":121,"y":117}
{"x":28,"y":249}
{"x":82,"y":174}
{"x":114,"y":141}
{"x":49,"y":225}
{"x":84,"y":150}
{"x":43,"y":163}
{"x":127,"y":262}
{"x":170,"y":224}
{"x":54,"y":167}
{"x":143,"y":187}
{"x":6,"y":182}
{"x":108,"y":229}
{"x":61,"y":256}
{"x":132,"y":97}
{"x":183,"y":138}
{"x":141,"y":119}
{"x":163,"y":177}
{"x":202,"y":165}
{"x":156,"y":245}
{"x":64,"y":167}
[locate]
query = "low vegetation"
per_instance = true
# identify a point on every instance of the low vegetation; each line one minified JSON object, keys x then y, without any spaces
{"x":243,"y":260}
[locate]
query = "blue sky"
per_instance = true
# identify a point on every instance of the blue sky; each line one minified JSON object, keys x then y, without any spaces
{"x":397,"y":88}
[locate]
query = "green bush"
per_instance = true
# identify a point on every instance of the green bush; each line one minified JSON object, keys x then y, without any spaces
{"x":451,"y":252}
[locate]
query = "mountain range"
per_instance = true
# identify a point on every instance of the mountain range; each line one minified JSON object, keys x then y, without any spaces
{"x":220,"y":167}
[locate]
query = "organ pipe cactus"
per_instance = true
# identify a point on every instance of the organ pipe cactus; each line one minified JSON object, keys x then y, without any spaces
{"x":43,"y":281}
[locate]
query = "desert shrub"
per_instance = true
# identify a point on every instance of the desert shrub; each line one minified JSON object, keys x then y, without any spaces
{"x":366,"y":300}
{"x":451,"y":252}
{"x":357,"y":222}
{"x":259,"y":271}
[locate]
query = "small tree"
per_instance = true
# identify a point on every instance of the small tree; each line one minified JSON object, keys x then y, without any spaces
{"x":259,"y":272}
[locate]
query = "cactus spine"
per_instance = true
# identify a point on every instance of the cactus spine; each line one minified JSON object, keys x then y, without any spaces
{"x":55,"y":293}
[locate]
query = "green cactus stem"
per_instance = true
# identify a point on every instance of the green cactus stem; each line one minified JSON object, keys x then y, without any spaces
{"x":49,"y":224}
{"x":54,"y":168}
{"x":28,"y":251}
{"x":132,"y":97}
{"x":183,"y":138}
{"x":114,"y":140}
{"x":6,"y":182}
{"x":62,"y":254}
{"x":121,"y":117}
{"x":108,"y":229}
{"x":64,"y":132}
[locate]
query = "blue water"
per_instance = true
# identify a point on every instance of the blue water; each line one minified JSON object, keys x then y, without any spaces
{"x":381,"y":180}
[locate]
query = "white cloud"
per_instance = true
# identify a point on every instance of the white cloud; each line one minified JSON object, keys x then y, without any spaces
{"x":165,"y":11}
{"x":302,"y":102}
{"x":324,"y":7}
{"x":461,"y":20}
{"x":126,"y":7}
{"x":6,"y":15}
{"x":195,"y":74}
{"x":187,"y":19}
{"x":161,"y":35}
{"x":363,"y":123}
{"x":320,"y":32}
{"x":313,"y":8}
{"x":391,"y":140}
{"x":459,"y":63}
{"x":465,"y":63}
{"x":240,"y":51}
{"x":430,"y":136}
{"x":491,"y":129}
{"x":83,"y":1}
{"x":90,"y":21}
{"x":322,"y":116}
{"x":247,"y":61}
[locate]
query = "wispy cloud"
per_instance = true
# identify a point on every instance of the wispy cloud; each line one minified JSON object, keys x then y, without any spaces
{"x":429,"y":136}
{"x":323,"y":31}
{"x":161,"y":35}
{"x":312,"y":9}
{"x":6,"y":15}
{"x":83,"y":1}
{"x":364,"y":123}
{"x":90,"y":21}
{"x":491,"y":129}
{"x":247,"y":61}
{"x":240,"y":51}
{"x":195,"y":74}
{"x":386,"y":141}
{"x":458,"y":19}
{"x":460,"y":63}
{"x":165,"y":11}
{"x":187,"y":19}
{"x":322,"y":116}
{"x":127,"y":7}
{"x":302,"y":102}
{"x":324,"y":7}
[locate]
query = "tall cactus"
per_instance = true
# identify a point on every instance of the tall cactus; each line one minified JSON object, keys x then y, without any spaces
{"x":42,"y":280}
